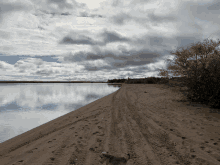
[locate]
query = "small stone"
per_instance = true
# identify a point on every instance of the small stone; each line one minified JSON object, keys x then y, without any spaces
{"x":193,"y":156}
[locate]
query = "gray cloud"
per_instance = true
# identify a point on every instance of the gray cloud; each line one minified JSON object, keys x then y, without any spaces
{"x":41,"y":28}
{"x":97,"y":16}
{"x":79,"y":41}
{"x":160,"y":19}
{"x":139,"y":1}
{"x":120,"y":19}
{"x":110,"y":58}
{"x":208,"y":11}
{"x":66,"y":13}
{"x":123,"y":57}
{"x":10,"y":7}
{"x":107,"y":52}
{"x":107,"y":37}
{"x":111,"y":36}
{"x":213,"y":7}
{"x":182,"y":40}
{"x":77,"y":57}
{"x":83,"y":14}
{"x":86,"y":14}
{"x":156,"y":41}
{"x":5,"y":34}
{"x":115,"y":3}
{"x":45,"y":72}
{"x":57,"y":7}
{"x":62,"y":4}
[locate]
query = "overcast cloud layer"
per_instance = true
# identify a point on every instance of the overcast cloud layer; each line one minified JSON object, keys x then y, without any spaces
{"x":98,"y":40}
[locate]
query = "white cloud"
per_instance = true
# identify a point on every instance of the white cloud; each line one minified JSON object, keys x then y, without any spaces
{"x":92,"y":4}
{"x":91,"y":36}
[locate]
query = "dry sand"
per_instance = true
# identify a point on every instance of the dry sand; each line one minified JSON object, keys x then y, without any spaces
{"x":138,"y":124}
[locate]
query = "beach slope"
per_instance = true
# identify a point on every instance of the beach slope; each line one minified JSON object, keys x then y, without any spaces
{"x":138,"y":124}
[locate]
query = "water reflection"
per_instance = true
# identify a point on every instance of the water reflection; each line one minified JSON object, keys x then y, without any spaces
{"x":26,"y":106}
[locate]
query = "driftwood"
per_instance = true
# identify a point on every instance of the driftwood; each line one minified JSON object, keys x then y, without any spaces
{"x":113,"y":160}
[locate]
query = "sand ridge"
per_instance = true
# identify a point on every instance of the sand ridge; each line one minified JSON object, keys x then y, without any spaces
{"x":138,"y":124}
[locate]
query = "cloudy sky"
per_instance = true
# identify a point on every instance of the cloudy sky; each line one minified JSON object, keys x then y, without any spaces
{"x":97,"y":40}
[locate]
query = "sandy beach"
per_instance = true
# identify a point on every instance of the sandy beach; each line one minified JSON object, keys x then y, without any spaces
{"x":139,"y":124}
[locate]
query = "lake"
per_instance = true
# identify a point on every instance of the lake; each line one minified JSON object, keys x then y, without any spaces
{"x":29,"y":105}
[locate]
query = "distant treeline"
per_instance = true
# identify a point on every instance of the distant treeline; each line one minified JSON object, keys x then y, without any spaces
{"x":50,"y":82}
{"x":148,"y":80}
{"x":116,"y":81}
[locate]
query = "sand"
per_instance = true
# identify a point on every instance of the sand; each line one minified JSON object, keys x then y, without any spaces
{"x":138,"y":124}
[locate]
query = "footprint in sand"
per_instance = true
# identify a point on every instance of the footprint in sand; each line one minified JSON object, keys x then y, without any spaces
{"x":202,"y":147}
{"x":192,"y":150}
{"x":20,"y":160}
{"x":199,"y":133}
{"x":113,"y":159}
{"x":193,"y":156}
{"x":95,"y":133}
{"x":31,"y":151}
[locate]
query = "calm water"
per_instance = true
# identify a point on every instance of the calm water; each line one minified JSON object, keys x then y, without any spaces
{"x":26,"y":106}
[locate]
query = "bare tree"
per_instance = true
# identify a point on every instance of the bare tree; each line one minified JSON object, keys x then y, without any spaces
{"x":201,"y":63}
{"x":180,"y":64}
{"x":203,"y":52}
{"x":164,"y":73}
{"x":207,"y":53}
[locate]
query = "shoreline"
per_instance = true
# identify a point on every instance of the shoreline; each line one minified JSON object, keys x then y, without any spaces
{"x":136,"y":120}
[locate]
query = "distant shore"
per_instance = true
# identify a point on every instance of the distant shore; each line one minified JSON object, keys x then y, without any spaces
{"x":50,"y":82}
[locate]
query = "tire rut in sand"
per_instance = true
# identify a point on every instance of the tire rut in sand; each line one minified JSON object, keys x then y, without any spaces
{"x":159,"y":134}
{"x":114,"y":145}
{"x":156,"y":138}
{"x":125,"y":138}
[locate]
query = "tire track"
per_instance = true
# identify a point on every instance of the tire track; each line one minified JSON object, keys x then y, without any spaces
{"x":160,"y":133}
{"x":133,"y":140}
{"x":155,"y":137}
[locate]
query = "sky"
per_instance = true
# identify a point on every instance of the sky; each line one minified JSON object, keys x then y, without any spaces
{"x":84,"y":40}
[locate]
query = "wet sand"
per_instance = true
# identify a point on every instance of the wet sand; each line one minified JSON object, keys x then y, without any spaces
{"x":138,"y":124}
